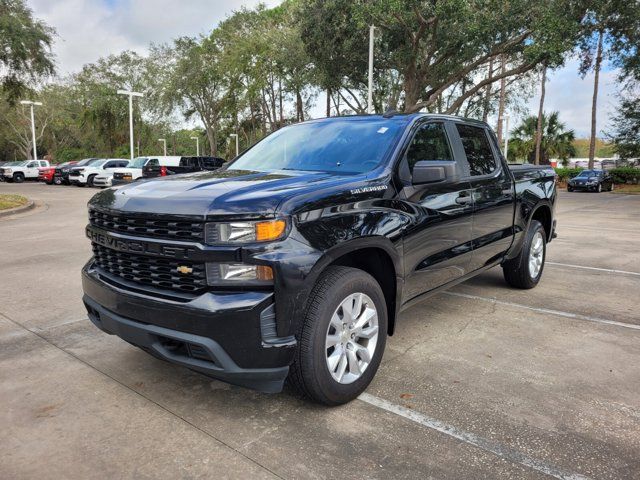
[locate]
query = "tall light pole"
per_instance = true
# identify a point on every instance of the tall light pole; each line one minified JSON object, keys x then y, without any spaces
{"x":236,"y":136}
{"x":131,"y":95}
{"x":506,"y":137}
{"x":33,"y":124}
{"x":164,"y":143}
{"x":197,"y":145}
{"x":370,"y":95}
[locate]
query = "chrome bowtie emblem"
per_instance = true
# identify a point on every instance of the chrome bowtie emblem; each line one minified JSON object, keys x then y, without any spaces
{"x":184,"y":269}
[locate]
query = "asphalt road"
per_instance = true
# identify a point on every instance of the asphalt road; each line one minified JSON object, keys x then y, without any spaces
{"x":480,"y":382}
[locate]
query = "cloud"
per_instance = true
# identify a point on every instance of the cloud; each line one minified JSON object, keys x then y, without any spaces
{"x":571,"y":95}
{"x":90,"y":29}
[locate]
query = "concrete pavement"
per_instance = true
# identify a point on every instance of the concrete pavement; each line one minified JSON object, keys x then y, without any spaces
{"x":469,"y":387}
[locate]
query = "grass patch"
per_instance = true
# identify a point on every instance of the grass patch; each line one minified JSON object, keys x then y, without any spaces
{"x":631,"y":189}
{"x":12,"y":201}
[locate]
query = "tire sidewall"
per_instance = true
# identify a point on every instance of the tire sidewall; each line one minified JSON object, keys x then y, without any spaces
{"x":18,"y":178}
{"x":357,"y":281}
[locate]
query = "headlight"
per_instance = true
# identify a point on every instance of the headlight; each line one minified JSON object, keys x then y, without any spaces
{"x":7,"y":170}
{"x":244,"y":232}
{"x":230,"y":274}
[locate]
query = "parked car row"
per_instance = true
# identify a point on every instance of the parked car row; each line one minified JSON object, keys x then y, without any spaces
{"x":105,"y":172}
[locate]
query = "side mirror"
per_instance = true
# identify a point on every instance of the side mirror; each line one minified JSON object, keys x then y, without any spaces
{"x":427,"y":171}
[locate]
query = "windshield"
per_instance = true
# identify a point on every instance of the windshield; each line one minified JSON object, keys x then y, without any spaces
{"x":13,"y":164}
{"x":138,"y":162}
{"x":588,"y":173}
{"x":344,"y":146}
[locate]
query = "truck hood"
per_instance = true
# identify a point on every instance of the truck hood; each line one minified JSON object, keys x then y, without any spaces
{"x":226,"y":192}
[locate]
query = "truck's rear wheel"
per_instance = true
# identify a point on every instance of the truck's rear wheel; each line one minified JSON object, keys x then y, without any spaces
{"x":341,"y":338}
{"x":525,"y":270}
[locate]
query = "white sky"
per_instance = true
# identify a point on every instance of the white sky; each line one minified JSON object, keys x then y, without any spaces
{"x":90,"y":29}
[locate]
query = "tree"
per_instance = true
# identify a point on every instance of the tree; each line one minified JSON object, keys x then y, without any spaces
{"x":556,"y":140}
{"x":538,"y":152}
{"x":610,"y":32}
{"x":626,"y":128}
{"x":439,"y":45}
{"x":25,"y":48}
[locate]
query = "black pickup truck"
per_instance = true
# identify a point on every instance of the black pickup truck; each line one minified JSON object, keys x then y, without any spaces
{"x":296,"y":259}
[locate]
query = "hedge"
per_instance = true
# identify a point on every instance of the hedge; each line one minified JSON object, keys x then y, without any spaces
{"x":565,"y":173}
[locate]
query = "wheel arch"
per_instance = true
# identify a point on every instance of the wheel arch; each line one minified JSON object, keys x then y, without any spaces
{"x":378,"y":257}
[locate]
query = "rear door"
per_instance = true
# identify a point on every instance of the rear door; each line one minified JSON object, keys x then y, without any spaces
{"x":493,"y":194}
{"x":437,"y":249}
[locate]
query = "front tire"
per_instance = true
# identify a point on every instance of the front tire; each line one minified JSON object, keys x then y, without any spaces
{"x":341,"y":338}
{"x":18,"y":177}
{"x":57,"y":181}
{"x":525,"y":270}
{"x":90,"y":180}
{"x":599,"y":188}
{"x":569,"y":189}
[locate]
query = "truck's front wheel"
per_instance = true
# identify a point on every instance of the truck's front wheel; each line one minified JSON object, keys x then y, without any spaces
{"x":341,"y":338}
{"x":525,"y":270}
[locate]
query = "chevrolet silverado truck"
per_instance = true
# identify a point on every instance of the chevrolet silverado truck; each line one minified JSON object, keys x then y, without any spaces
{"x":295,"y":260}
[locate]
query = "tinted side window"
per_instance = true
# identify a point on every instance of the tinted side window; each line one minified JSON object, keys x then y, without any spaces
{"x":210,"y":163}
{"x":152,"y":163}
{"x":477,"y":148}
{"x":429,"y":144}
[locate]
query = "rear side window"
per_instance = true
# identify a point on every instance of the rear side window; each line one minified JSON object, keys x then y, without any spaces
{"x":429,"y":144}
{"x":477,"y":148}
{"x":152,"y":163}
{"x":187,"y":162}
{"x":211,"y":163}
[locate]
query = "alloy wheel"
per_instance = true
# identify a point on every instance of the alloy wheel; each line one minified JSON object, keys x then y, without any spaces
{"x":351,"y":338}
{"x":536,"y":255}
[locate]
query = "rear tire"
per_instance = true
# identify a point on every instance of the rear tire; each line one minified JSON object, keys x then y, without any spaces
{"x":525,"y":270}
{"x":18,"y":177}
{"x":569,"y":189}
{"x":341,"y":338}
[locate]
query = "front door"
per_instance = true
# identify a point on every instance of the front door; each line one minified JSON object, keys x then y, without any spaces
{"x":437,"y":248}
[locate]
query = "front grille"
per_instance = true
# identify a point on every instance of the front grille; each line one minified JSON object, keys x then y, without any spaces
{"x":173,"y":229}
{"x":153,"y":271}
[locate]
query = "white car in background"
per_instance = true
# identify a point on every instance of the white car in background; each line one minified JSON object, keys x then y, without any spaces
{"x":85,"y":175}
{"x":130,"y":173}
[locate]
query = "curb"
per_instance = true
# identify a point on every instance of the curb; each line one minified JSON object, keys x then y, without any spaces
{"x":20,"y":209}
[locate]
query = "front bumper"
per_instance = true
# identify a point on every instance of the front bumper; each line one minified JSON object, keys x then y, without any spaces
{"x":589,"y":188}
{"x":102,"y":182}
{"x":219,"y":334}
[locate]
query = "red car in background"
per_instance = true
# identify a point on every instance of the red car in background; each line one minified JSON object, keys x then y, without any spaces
{"x":46,"y":174}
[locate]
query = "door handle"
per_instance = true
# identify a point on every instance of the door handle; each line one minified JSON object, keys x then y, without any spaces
{"x":463,"y":199}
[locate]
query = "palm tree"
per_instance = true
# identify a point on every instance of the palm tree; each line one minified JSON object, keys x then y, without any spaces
{"x":556,"y":140}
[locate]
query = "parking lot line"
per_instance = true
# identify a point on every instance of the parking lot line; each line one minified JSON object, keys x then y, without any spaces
{"x":607,"y":270}
{"x":480,"y":442}
{"x":575,"y":316}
